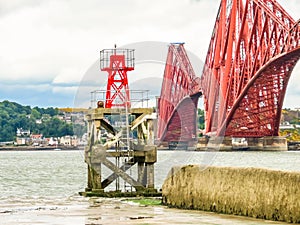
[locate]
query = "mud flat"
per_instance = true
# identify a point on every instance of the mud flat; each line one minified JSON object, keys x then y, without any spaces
{"x":100,"y":211}
{"x":252,"y":192}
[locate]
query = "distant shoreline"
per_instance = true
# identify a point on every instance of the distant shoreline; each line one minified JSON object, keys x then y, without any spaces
{"x":292,"y":146}
{"x":39,"y":148}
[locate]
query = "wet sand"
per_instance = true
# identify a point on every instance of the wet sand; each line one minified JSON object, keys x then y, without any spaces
{"x":94,"y":211}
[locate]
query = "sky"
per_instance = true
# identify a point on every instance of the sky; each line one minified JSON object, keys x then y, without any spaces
{"x":49,"y":49}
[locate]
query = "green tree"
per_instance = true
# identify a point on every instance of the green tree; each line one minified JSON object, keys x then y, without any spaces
{"x":79,"y":129}
{"x":14,"y":115}
{"x":201,"y":119}
{"x":36,"y":114}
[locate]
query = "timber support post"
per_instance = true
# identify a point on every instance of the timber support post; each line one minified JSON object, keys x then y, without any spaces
{"x":108,"y":149}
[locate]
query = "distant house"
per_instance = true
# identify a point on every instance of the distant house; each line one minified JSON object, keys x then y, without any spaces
{"x":52,"y":141}
{"x":36,"y":139}
{"x":38,"y":121}
{"x":22,"y":133}
{"x":20,"y":141}
{"x":60,"y":117}
{"x":66,"y":117}
{"x":74,"y":141}
{"x":69,"y":140}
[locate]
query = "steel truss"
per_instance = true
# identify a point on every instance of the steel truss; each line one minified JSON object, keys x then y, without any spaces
{"x":177,"y":104}
{"x":254,"y":47}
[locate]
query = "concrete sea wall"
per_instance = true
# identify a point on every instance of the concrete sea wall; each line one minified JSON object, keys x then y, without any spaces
{"x":253,"y":192}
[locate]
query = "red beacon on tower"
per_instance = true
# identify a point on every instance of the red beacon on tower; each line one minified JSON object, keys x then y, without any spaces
{"x":117,"y":62}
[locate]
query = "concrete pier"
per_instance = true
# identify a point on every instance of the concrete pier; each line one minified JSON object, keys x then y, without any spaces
{"x":231,"y":144}
{"x":253,"y":192}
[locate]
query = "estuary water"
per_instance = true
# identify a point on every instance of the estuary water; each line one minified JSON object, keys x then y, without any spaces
{"x":41,"y":187}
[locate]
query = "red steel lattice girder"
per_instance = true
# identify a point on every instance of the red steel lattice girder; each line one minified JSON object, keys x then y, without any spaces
{"x":176,"y":109}
{"x":253,"y":50}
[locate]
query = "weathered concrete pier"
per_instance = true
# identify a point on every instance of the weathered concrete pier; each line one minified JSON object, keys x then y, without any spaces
{"x":253,"y":192}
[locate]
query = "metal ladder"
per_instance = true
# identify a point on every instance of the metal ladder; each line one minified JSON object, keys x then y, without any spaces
{"x":123,"y":147}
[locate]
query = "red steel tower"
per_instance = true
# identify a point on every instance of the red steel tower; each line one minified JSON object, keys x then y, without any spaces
{"x":117,"y":62}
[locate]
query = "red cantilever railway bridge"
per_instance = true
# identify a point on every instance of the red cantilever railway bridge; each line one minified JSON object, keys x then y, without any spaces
{"x":254,"y":47}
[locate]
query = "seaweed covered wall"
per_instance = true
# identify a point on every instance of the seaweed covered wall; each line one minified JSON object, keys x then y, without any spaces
{"x":253,"y":192}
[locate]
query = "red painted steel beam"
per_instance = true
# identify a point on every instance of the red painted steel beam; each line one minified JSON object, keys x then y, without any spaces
{"x":242,"y":87}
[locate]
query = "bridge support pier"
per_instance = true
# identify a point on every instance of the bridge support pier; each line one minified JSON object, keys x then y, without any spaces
{"x":274,"y":143}
{"x":255,"y":144}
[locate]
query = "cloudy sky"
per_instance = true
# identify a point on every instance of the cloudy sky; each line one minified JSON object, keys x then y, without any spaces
{"x":49,"y":47}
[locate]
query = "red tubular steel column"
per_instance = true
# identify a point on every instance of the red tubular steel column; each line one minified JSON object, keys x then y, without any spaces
{"x":253,"y":50}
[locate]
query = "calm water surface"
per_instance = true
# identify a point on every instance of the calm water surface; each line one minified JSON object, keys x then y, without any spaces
{"x":42,"y":188}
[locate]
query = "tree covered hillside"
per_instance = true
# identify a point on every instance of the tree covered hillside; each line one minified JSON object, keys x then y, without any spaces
{"x":38,"y":120}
